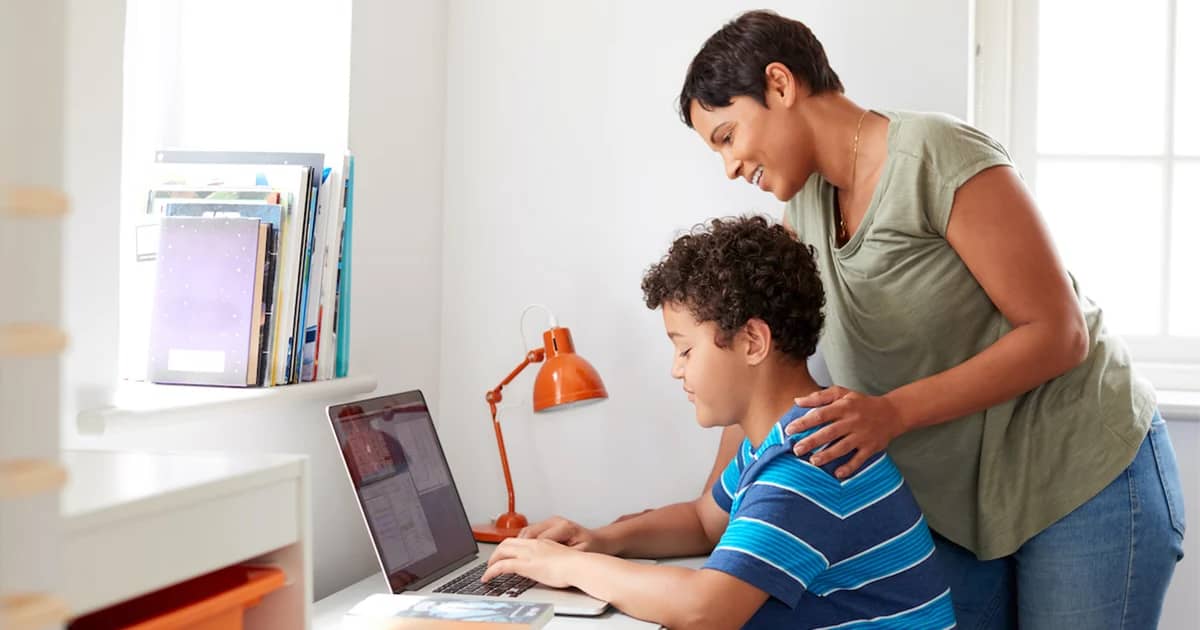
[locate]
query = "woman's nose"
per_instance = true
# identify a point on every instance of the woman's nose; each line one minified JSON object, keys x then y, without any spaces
{"x":732,"y":167}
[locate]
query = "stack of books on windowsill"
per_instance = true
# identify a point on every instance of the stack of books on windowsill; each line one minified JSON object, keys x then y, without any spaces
{"x":251,"y":255}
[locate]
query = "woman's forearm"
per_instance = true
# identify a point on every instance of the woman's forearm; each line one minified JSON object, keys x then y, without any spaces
{"x":1025,"y":358}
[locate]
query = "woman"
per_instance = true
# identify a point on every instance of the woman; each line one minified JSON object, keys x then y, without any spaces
{"x":956,"y":340}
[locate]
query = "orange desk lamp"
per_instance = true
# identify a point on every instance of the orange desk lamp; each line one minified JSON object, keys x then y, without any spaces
{"x":565,"y":380}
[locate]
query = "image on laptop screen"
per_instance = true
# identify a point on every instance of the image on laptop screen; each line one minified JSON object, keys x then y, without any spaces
{"x":404,"y":487}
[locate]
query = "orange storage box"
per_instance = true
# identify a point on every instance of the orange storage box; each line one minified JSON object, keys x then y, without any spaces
{"x":216,"y":601}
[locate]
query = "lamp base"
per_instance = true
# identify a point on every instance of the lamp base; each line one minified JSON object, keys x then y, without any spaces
{"x":507,"y":525}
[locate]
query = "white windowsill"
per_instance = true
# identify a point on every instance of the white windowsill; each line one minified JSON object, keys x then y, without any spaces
{"x":1177,"y":386}
{"x":138,"y":405}
{"x":1178,"y":405}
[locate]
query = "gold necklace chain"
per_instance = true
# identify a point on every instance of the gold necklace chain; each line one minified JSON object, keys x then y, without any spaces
{"x":843,"y":234}
{"x":854,"y":160}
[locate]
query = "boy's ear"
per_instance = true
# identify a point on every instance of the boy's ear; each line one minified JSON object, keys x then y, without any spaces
{"x":758,"y":341}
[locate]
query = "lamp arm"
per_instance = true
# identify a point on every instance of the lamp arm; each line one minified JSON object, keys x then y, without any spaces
{"x":493,"y":397}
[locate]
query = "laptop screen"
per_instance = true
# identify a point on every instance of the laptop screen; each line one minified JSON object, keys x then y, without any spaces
{"x":408,"y":498}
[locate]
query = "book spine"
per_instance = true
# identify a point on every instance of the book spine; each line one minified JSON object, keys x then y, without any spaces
{"x":299,"y":339}
{"x":315,"y":276}
{"x":268,"y":305}
{"x":342,"y":323}
{"x":285,"y":294}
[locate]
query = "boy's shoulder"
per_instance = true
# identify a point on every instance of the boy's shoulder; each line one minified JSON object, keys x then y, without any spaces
{"x":776,"y":449}
{"x":775,"y":465}
{"x":779,"y":466}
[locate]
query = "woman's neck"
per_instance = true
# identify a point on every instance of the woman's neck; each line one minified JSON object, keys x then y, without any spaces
{"x":833,"y":121}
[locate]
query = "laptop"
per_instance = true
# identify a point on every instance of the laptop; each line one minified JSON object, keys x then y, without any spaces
{"x":417,"y":522}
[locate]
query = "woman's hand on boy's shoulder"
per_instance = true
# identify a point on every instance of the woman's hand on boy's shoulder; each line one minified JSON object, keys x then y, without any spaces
{"x":565,"y":532}
{"x":850,"y":421}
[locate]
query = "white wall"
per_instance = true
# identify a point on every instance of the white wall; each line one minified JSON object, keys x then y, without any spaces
{"x":567,"y":173}
{"x":92,"y":173}
{"x":397,"y":118}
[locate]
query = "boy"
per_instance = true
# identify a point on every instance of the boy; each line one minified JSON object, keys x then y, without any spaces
{"x":789,"y":545}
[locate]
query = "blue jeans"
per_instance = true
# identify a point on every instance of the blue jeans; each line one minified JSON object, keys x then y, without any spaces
{"x":1105,"y":565}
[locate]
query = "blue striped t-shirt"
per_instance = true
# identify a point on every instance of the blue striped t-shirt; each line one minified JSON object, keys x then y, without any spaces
{"x":851,"y":554}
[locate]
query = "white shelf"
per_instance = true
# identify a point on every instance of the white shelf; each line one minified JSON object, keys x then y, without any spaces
{"x":135,"y":522}
{"x":138,"y":405}
{"x":27,"y":477}
{"x":31,"y":611}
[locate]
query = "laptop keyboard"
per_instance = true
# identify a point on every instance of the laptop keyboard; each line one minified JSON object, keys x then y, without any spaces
{"x":507,"y":585}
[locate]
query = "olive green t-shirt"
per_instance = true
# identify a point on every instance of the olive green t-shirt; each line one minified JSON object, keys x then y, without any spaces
{"x":901,"y":305}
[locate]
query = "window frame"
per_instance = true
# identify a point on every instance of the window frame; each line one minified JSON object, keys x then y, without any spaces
{"x":154,"y":118}
{"x":1004,"y":104}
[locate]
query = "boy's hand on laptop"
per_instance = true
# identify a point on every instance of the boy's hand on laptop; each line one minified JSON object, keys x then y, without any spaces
{"x":565,"y":532}
{"x":542,"y":560}
{"x":853,"y":422}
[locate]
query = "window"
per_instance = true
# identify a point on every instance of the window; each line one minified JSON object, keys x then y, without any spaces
{"x":1092,"y":100}
{"x":234,"y":75}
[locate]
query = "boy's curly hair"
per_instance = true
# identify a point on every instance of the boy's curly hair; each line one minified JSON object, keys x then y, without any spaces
{"x":731,"y":270}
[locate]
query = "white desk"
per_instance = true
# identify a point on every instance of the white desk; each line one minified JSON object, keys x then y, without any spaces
{"x":134,"y":522}
{"x":327,"y":613}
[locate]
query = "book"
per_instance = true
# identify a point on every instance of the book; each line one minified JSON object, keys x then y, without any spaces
{"x":325,"y":353}
{"x":306,"y":275}
{"x":341,"y":321}
{"x":270,"y":213}
{"x":296,"y":360}
{"x":297,"y":177}
{"x":316,"y":275}
{"x":288,"y":175}
{"x":258,"y":321}
{"x":203,"y":302}
{"x":445,"y":612}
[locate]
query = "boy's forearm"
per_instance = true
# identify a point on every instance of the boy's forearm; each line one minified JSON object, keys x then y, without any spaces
{"x":671,"y":531}
{"x":654,"y":593}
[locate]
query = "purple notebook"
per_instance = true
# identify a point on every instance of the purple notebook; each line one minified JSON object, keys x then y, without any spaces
{"x":203,"y":301}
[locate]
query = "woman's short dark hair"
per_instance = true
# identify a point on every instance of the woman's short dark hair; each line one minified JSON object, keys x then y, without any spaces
{"x":734,"y":60}
{"x":735,"y":269}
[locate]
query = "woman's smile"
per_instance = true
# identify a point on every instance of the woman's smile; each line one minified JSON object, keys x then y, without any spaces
{"x":756,"y":177}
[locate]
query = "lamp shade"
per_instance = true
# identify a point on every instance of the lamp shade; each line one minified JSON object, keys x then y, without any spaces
{"x":565,"y":379}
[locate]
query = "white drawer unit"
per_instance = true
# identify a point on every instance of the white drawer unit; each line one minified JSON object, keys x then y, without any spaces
{"x":134,"y":522}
